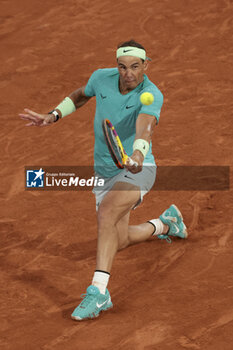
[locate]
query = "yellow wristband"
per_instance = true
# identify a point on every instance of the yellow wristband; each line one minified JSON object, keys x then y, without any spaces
{"x":141,"y":145}
{"x":66,"y":107}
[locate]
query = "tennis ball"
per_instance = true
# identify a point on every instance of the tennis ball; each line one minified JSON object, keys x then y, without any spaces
{"x":146,"y":98}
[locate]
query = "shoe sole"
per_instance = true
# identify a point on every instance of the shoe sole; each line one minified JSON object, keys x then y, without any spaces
{"x":185,"y":232}
{"x":179,"y":213}
{"x":76,"y":318}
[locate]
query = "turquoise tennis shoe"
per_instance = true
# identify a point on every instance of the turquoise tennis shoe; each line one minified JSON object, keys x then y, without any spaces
{"x":92,"y":304}
{"x":173,"y":218}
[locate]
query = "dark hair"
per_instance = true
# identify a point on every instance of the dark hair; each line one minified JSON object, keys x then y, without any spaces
{"x":131,"y":42}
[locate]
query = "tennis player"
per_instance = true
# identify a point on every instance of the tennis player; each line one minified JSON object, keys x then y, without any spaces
{"x":117,"y":93}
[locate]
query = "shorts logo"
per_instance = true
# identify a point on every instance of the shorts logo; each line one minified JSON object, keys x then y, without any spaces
{"x":128,"y":177}
{"x":35,"y":178}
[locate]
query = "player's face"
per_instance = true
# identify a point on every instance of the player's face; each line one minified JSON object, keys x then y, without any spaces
{"x":131,"y":70}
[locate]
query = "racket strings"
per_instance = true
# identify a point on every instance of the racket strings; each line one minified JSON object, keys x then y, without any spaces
{"x":114,"y":144}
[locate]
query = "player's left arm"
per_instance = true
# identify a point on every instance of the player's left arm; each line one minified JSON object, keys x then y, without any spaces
{"x":144,"y":129}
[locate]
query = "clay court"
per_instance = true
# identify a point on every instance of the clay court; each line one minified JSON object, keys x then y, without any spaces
{"x":166,"y":296}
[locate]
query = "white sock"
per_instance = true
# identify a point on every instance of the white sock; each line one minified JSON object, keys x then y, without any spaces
{"x":158,"y":226}
{"x":100,"y":280}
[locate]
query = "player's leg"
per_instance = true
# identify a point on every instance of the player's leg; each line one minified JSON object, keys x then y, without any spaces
{"x":115,"y":205}
{"x":170,"y":223}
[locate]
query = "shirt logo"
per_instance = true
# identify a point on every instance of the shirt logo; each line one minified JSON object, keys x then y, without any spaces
{"x":127,"y":107}
{"x":102,"y":96}
{"x":35,"y":178}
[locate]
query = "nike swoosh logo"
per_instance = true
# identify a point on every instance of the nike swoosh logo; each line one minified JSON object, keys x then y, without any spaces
{"x":127,"y":50}
{"x":103,"y":96}
{"x":128,"y":177}
{"x":100,"y":305}
{"x":127,"y":107}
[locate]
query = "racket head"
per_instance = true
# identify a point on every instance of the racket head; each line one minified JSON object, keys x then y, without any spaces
{"x":114,"y":144}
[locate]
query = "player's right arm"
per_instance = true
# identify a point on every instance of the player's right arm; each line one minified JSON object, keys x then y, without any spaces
{"x":79,"y":98}
{"x":75,"y":100}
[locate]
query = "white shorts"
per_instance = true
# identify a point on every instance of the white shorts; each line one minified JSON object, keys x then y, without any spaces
{"x":145,"y":180}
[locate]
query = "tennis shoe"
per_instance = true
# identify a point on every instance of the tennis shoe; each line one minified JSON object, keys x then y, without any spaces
{"x":173,"y":218}
{"x":92,"y":304}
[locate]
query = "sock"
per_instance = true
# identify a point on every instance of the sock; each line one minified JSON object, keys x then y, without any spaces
{"x":100,"y":280}
{"x":158,"y":226}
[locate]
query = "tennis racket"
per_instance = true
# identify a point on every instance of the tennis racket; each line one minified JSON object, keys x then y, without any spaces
{"x":115,"y":146}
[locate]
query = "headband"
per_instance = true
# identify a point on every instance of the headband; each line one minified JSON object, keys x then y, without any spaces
{"x":132,"y":51}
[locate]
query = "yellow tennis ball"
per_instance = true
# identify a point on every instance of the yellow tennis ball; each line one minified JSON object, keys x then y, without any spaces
{"x":146,"y":98}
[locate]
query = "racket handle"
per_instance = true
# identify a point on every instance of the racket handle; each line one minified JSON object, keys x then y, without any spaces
{"x":131,"y":162}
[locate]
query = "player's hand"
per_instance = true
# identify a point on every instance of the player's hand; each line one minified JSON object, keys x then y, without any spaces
{"x":36,"y":119}
{"x":136,"y":157}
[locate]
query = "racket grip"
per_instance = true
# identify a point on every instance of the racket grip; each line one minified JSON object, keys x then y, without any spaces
{"x":131,"y":162}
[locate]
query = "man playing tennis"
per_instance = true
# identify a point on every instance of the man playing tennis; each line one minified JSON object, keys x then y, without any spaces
{"x":117,"y":93}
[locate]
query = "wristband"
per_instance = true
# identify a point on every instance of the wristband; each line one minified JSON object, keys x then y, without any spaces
{"x":55,"y":114}
{"x":142,"y":146}
{"x":66,"y":107}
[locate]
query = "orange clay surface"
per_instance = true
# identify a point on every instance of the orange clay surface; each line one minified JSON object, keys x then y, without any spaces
{"x":166,"y":296}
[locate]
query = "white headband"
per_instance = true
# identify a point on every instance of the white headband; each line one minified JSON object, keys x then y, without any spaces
{"x":132,"y":51}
